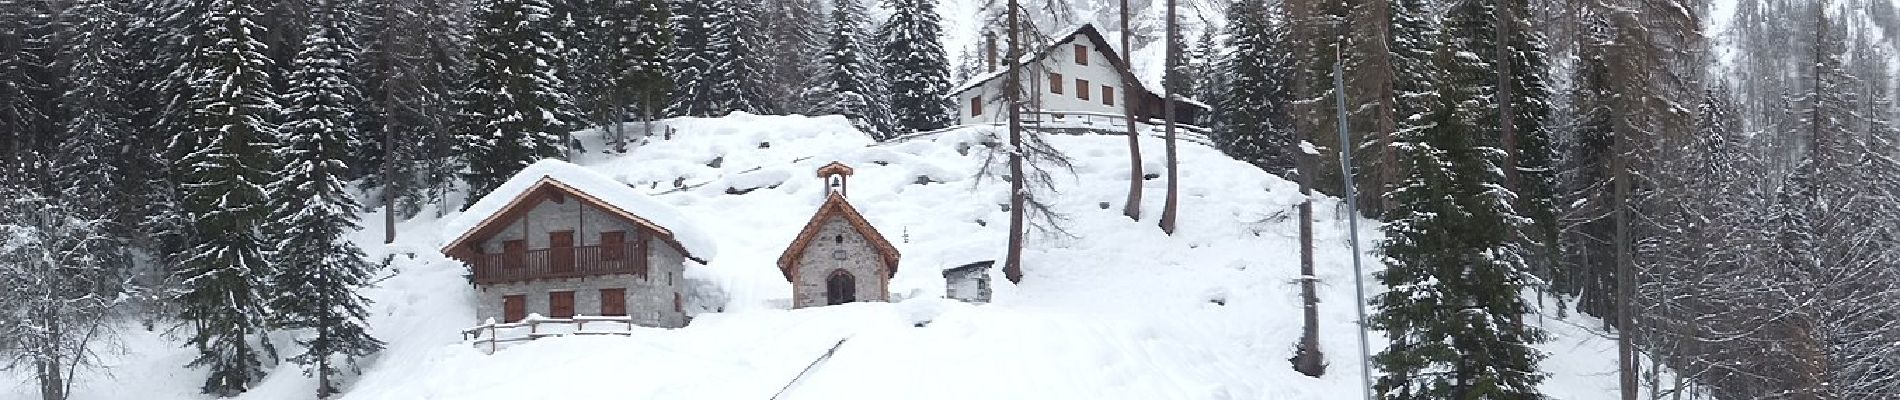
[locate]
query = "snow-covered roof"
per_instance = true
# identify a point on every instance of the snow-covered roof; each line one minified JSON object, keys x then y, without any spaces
{"x":590,"y":186}
{"x":1101,"y":44}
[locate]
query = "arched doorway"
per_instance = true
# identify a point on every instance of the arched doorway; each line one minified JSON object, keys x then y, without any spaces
{"x":840,"y":288}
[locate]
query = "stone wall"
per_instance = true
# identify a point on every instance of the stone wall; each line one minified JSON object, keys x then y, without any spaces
{"x":861,"y":260}
{"x":549,"y":216}
{"x":650,"y":299}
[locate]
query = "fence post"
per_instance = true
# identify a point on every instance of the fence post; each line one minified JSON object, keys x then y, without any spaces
{"x":491,"y":339}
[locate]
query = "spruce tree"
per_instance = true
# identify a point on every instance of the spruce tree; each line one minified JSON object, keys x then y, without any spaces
{"x":224,"y":271}
{"x":516,"y":110}
{"x":916,"y":67}
{"x":28,"y":107}
{"x":846,"y":84}
{"x":1454,"y":275}
{"x":317,"y":269}
{"x":1251,"y":125}
{"x":94,"y":168}
{"x":1536,"y":168}
{"x":714,"y":72}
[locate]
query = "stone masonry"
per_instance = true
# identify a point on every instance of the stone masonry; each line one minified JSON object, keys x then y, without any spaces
{"x":821,"y":257}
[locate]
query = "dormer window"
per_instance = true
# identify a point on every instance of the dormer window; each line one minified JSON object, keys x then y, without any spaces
{"x":1081,"y":55}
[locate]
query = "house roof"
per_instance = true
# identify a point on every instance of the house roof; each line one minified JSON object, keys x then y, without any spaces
{"x":836,"y":206}
{"x":491,"y":211}
{"x":1101,"y":44}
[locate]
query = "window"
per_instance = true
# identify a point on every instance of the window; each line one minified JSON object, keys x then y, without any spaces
{"x":1082,"y":89}
{"x":1055,"y":83}
{"x":514,"y":308}
{"x":679,"y":303}
{"x":613,"y":245}
{"x":1108,"y":95}
{"x":613,"y":302}
{"x":976,"y":106}
{"x":560,"y":304}
{"x":1081,"y":55}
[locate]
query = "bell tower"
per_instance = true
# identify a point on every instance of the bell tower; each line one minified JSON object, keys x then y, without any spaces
{"x":834,"y":175}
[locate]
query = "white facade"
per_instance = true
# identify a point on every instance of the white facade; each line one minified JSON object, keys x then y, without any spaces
{"x":1059,"y":64}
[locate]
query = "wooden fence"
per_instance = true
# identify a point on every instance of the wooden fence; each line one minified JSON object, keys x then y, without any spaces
{"x":490,"y":337}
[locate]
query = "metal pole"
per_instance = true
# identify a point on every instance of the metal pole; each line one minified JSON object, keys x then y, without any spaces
{"x":1352,"y":208}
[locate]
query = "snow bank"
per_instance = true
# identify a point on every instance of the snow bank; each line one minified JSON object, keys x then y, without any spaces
{"x":616,"y":194}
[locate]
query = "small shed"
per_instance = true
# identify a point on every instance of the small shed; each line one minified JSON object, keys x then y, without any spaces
{"x":560,"y":240}
{"x":969,"y":283}
{"x":838,"y":257}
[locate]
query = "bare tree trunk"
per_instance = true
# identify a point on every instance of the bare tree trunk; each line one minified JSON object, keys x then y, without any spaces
{"x":1012,"y":94}
{"x":1169,"y":208}
{"x":389,"y":143}
{"x":1625,"y":270}
{"x":1507,"y":125}
{"x":1307,"y":357}
{"x":1131,"y":208}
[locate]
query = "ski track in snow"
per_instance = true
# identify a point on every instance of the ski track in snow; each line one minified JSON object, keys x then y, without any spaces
{"x":1120,"y":311}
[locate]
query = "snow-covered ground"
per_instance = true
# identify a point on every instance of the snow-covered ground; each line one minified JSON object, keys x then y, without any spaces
{"x":1118,"y":311}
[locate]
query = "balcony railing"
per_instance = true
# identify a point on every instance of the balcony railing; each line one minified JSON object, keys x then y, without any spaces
{"x":559,"y":262}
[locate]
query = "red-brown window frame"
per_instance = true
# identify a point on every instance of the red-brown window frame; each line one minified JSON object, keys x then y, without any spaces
{"x":1081,"y":55}
{"x":976,"y":106}
{"x":1108,"y":95}
{"x":1055,"y":83}
{"x":613,"y":302}
{"x":556,"y":307}
{"x":1082,"y":88}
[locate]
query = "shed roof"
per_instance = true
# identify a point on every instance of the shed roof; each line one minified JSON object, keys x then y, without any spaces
{"x":591,"y":188}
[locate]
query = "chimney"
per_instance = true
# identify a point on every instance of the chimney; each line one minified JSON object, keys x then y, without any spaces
{"x":989,"y":51}
{"x":834,"y":175}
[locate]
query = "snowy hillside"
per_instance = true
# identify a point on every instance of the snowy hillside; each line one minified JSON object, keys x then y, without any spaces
{"x":1119,"y":311}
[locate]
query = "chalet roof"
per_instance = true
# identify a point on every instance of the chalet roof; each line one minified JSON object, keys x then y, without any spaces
{"x":1101,"y":44}
{"x":835,"y":205}
{"x":591,"y":188}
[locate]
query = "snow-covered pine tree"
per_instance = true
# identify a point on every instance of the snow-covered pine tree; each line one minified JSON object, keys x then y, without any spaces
{"x":1453,"y":308}
{"x":794,"y":30}
{"x":1535,"y":168}
{"x":94,"y":168}
{"x":1252,"y":125}
{"x":317,"y":270}
{"x":623,"y":68}
{"x":223,"y":273}
{"x":28,"y":110}
{"x":516,"y":109}
{"x":408,"y":81}
{"x":648,"y":86}
{"x":847,"y":82}
{"x":916,"y":67}
{"x":714,"y":72}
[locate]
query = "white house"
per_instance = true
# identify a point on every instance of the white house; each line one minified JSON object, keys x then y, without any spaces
{"x":1077,"y":73}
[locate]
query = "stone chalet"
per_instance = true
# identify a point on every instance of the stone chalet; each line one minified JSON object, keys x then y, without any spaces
{"x":560,"y":240}
{"x":838,"y":257}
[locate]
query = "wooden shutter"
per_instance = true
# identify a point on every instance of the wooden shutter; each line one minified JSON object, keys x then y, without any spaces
{"x":514,"y":308}
{"x":976,"y":106}
{"x":1055,"y":83}
{"x":1108,"y":95}
{"x":1082,"y":89}
{"x":561,"y":304}
{"x":561,"y":251}
{"x":514,"y":253}
{"x":613,"y":245}
{"x":1081,"y":56}
{"x":613,"y":302}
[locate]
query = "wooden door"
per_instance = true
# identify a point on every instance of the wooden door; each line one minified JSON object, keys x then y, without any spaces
{"x":840,"y":288}
{"x":561,"y":252}
{"x":613,"y":302}
{"x":514,"y":308}
{"x":613,"y":245}
{"x":560,"y":304}
{"x":514,"y":253}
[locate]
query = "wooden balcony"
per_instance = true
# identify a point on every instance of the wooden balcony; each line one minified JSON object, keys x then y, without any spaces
{"x":558,"y":262}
